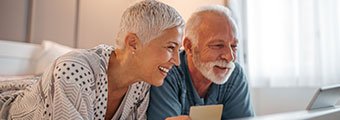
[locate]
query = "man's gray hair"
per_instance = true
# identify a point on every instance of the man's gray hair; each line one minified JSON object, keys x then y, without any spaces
{"x":147,"y":19}
{"x":195,"y":20}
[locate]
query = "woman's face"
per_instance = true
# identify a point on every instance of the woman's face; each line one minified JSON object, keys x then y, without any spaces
{"x":158,"y":56}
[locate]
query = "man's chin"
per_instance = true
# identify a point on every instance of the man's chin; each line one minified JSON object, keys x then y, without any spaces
{"x":219,"y":81}
{"x":216,"y":78}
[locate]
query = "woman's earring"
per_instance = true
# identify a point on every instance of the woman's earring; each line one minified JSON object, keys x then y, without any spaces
{"x":133,"y":53}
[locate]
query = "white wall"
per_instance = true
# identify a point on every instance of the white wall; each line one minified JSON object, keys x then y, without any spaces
{"x":186,"y":7}
{"x":13,"y":16}
{"x":76,"y":23}
{"x":99,"y":20}
{"x":54,"y":20}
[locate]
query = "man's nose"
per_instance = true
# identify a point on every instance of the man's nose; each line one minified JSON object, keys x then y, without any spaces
{"x":228,"y":54}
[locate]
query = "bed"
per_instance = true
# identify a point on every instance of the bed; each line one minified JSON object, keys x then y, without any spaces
{"x":22,"y":64}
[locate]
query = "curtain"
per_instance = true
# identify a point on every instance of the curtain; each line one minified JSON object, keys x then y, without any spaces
{"x":290,"y":42}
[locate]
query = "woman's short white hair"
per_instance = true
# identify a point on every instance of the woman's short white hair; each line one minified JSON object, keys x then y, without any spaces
{"x":195,"y":20}
{"x":147,"y":19}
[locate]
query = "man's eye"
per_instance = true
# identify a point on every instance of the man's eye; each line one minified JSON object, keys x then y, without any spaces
{"x":234,"y":47}
{"x":171,"y":48}
{"x":217,"y":46}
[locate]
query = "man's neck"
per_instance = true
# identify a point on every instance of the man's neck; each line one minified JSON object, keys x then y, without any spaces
{"x":200,"y":82}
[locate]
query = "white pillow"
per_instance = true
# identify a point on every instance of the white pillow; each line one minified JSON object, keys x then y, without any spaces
{"x":16,"y":57}
{"x":50,"y":52}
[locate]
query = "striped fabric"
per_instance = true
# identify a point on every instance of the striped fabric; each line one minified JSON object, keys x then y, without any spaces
{"x":75,"y":87}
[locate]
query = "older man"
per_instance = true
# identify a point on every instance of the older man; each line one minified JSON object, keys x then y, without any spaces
{"x":207,"y":74}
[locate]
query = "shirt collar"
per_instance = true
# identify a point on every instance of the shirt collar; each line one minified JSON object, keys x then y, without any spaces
{"x":194,"y":98}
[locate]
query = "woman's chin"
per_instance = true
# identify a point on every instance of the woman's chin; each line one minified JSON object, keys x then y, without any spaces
{"x":157,"y":83}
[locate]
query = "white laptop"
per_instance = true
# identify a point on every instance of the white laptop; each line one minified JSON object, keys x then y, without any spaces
{"x":325,"y":97}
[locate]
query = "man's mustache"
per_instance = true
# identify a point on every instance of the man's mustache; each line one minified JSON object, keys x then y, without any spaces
{"x":222,"y":63}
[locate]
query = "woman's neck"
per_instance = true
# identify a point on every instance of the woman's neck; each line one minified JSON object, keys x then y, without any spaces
{"x":121,"y":73}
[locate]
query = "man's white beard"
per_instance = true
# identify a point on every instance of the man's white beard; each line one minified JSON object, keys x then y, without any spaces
{"x":207,"y":71}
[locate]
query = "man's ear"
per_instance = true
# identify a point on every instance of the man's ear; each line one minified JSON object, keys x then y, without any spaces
{"x":131,"y":41}
{"x":187,"y":44}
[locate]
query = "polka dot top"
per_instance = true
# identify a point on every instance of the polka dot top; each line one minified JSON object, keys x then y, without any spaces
{"x":76,"y":87}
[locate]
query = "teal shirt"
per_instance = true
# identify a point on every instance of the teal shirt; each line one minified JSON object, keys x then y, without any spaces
{"x":177,"y":94}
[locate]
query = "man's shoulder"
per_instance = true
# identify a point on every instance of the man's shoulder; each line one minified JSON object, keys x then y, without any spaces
{"x":175,"y":75}
{"x":238,"y":69}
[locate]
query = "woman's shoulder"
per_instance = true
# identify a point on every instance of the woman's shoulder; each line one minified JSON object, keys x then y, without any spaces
{"x":102,"y":49}
{"x":84,"y":55}
{"x":139,"y":90}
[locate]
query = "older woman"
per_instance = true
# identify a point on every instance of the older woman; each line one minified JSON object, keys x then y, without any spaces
{"x":109,"y":82}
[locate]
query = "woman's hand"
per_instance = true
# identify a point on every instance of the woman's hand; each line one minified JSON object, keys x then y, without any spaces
{"x":181,"y":117}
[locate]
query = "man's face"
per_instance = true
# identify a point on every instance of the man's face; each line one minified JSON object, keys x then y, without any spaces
{"x":215,"y":51}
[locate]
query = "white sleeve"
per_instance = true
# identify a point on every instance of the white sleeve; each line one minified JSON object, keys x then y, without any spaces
{"x":73,"y":98}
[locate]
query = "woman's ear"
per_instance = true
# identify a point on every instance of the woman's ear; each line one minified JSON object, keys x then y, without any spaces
{"x":131,"y":41}
{"x":187,"y":44}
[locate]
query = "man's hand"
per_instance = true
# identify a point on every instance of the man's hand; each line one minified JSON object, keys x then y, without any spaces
{"x":181,"y":117}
